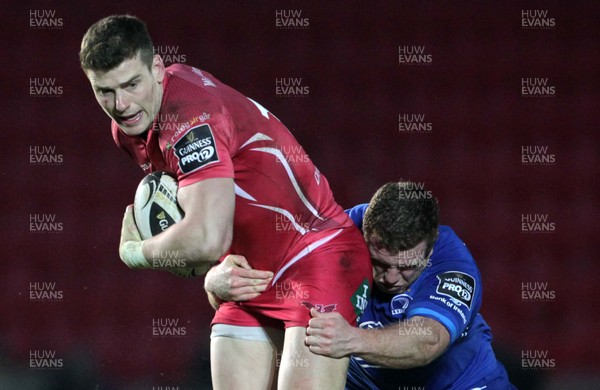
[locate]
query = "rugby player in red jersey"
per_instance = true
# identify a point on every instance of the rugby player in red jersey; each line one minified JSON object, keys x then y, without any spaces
{"x":246,"y":187}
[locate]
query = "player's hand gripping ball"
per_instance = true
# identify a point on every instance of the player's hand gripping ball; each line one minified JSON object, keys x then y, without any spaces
{"x":155,"y":209}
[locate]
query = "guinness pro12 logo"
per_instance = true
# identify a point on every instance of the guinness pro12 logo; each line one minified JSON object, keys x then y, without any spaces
{"x":196,"y":149}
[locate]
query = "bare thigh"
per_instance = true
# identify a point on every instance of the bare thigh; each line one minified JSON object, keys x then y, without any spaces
{"x":302,"y":369}
{"x":245,"y":364}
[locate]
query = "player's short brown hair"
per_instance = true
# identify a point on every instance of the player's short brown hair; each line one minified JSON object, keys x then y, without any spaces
{"x":400,"y":216}
{"x":114,"y":39}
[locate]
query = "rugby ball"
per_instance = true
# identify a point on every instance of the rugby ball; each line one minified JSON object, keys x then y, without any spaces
{"x":155,"y":206}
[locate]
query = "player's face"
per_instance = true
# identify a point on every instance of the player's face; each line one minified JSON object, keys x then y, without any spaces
{"x":394,"y":272}
{"x":130,"y":93}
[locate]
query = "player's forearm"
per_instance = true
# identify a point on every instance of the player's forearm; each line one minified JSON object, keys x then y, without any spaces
{"x":205,"y":233}
{"x":184,"y":245}
{"x":402,"y":346}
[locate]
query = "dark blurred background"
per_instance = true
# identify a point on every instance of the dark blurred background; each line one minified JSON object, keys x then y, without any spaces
{"x":74,"y":317}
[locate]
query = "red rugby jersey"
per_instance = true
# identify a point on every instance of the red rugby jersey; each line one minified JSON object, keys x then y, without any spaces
{"x":206,"y":129}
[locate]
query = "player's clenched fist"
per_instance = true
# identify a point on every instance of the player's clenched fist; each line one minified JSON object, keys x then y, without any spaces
{"x":330,"y":334}
{"x":130,"y":247}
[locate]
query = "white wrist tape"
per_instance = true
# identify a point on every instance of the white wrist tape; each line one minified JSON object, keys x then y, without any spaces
{"x":132,"y":255}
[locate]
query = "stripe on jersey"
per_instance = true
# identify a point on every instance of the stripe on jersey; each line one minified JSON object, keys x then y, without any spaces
{"x":304,"y":252}
{"x":287,"y":214}
{"x":240,"y":192}
{"x":257,"y":137}
{"x":277,"y":153}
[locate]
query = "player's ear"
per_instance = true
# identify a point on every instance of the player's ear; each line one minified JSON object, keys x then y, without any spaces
{"x":158,"y":68}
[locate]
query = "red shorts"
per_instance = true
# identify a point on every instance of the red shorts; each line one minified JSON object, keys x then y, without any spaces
{"x":332,"y":274}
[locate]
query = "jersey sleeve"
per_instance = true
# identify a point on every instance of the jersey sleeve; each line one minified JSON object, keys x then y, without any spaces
{"x":357,"y":213}
{"x":202,"y":151}
{"x":450,"y":291}
{"x":446,"y":297}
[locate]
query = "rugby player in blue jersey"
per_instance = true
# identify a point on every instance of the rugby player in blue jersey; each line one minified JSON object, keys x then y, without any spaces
{"x":421,"y":328}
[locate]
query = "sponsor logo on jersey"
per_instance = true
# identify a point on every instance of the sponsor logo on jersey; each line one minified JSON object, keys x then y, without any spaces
{"x":459,"y":286}
{"x":371,"y":325}
{"x":196,"y":149}
{"x":399,"y":304}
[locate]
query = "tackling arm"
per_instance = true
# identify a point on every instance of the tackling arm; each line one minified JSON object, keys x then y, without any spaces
{"x":413,"y":343}
{"x":234,"y":280}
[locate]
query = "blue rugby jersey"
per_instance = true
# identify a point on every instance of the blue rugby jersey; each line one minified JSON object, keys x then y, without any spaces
{"x":448,"y":291}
